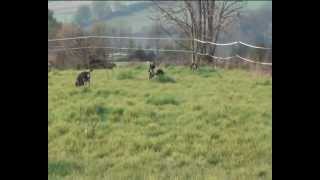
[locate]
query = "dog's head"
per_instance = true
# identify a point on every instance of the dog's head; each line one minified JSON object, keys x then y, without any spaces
{"x":152,"y":65}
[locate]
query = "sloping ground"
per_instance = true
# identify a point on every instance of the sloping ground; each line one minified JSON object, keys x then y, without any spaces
{"x":64,"y":11}
{"x":205,"y":125}
{"x":136,"y":21}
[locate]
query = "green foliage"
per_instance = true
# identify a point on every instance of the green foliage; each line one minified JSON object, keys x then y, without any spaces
{"x":61,"y":168}
{"x":164,"y":79}
{"x":53,"y":24}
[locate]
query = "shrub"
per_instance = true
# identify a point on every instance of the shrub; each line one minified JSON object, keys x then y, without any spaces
{"x":164,"y":79}
{"x":62,"y":168}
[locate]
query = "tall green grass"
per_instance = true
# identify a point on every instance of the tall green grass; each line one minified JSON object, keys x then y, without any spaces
{"x":202,"y":126}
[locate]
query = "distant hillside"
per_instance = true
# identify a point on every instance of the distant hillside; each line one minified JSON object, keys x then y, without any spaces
{"x":134,"y":16}
{"x":255,"y":26}
{"x":129,"y":15}
{"x":65,"y":10}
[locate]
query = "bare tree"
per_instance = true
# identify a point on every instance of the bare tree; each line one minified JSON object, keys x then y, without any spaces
{"x":176,"y":14}
{"x":79,"y":52}
{"x":228,"y":11}
{"x":98,"y":29}
{"x":202,"y":19}
{"x":78,"y":57}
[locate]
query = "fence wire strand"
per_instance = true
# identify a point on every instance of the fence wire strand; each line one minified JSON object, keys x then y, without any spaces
{"x":161,"y":50}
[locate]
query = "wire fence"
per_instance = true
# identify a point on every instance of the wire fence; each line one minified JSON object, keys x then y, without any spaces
{"x":236,"y":43}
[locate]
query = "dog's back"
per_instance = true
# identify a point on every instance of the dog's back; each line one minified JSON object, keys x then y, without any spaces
{"x":159,"y":72}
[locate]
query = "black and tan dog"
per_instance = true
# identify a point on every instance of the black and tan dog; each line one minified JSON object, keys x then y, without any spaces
{"x":83,"y":78}
{"x":194,"y":66}
{"x":153,"y":71}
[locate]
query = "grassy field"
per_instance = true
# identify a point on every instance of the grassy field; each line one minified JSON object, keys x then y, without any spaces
{"x":203,"y":125}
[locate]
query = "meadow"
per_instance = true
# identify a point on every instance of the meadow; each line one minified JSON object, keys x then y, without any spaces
{"x":209,"y":124}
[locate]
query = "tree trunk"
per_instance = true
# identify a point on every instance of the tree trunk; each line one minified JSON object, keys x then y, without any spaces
{"x":216,"y":39}
{"x":193,"y":48}
{"x":205,"y":19}
{"x":211,"y":6}
{"x":200,"y":28}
